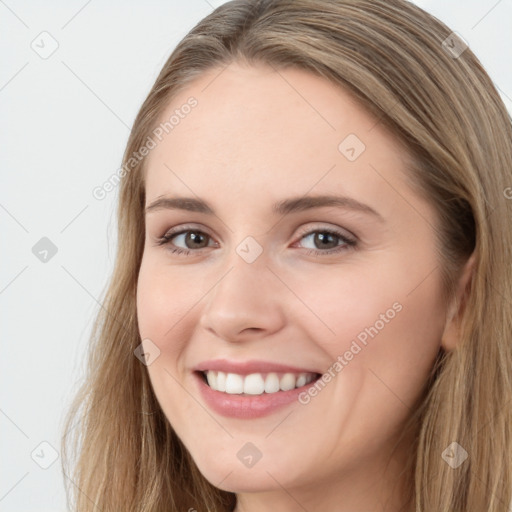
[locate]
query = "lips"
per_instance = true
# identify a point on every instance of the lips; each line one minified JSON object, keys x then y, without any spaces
{"x":250,"y":389}
{"x":248,"y":367}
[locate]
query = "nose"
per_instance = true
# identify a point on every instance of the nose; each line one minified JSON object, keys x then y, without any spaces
{"x":246,"y":303}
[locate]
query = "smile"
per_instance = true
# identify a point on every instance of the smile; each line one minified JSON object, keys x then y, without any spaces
{"x":256,"y":383}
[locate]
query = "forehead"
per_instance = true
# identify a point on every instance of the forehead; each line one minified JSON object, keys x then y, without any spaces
{"x":256,"y":131}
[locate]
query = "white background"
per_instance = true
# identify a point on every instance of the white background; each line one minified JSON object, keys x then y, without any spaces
{"x":64,"y":122}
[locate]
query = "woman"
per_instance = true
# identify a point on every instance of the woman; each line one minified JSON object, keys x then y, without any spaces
{"x":340,"y":337}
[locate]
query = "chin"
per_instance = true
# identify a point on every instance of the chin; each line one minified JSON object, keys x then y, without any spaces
{"x":230,"y":474}
{"x":241,"y":480}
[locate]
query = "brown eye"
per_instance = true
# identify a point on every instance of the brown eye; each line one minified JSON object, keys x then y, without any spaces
{"x":195,"y":239}
{"x":327,"y":241}
{"x":191,"y":239}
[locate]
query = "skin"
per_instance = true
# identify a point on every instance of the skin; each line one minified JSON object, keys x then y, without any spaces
{"x":256,"y":137}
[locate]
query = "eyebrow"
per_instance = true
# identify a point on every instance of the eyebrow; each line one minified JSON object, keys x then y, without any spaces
{"x":286,"y":206}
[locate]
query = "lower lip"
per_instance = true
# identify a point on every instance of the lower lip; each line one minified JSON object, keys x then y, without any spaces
{"x":247,"y":406}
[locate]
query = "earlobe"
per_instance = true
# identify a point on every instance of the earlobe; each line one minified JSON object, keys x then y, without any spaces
{"x":451,"y":334}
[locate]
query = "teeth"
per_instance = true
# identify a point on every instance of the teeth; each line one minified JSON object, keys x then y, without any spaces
{"x":287,"y":381}
{"x":256,"y":383}
{"x":234,"y":384}
{"x":220,"y":381}
{"x":212,"y":379}
{"x":301,"y":381}
{"x":272,"y":383}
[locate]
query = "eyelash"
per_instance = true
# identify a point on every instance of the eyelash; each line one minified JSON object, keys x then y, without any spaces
{"x":347,"y":242}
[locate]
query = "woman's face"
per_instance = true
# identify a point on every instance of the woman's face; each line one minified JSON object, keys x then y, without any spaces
{"x":277,"y":282}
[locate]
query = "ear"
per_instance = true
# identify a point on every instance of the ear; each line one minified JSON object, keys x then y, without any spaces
{"x":451,"y":333}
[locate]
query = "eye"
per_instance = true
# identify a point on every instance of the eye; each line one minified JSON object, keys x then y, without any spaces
{"x":326,"y":238}
{"x":195,"y":240}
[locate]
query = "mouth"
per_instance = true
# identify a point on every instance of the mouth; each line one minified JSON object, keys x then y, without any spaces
{"x":253,"y":388}
{"x":255,"y":384}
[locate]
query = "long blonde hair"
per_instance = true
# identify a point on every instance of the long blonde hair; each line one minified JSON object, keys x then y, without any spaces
{"x":407,"y":69}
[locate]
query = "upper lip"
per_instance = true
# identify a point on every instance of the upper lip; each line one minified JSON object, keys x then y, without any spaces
{"x":248,"y":367}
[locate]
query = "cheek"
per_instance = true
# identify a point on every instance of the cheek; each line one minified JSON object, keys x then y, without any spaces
{"x":162,"y":306}
{"x":163,"y":301}
{"x":379,"y":320}
{"x":344,"y":303}
{"x":394,"y":335}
